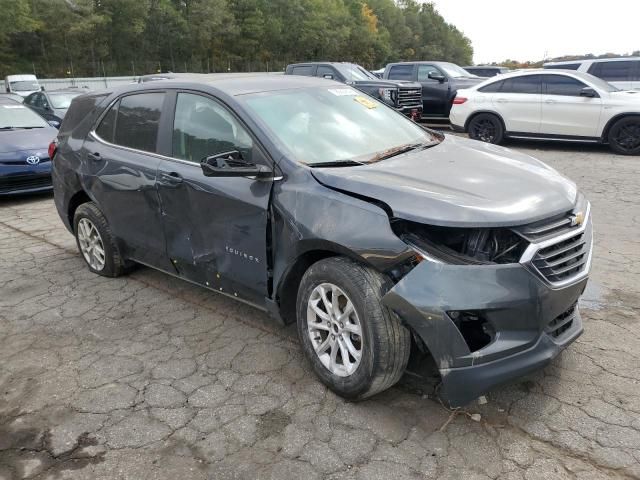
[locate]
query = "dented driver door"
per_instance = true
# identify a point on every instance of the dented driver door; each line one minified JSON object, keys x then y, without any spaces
{"x":215,"y":227}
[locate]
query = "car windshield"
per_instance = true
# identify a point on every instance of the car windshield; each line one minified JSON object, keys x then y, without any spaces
{"x":335,"y":125}
{"x":62,"y":100}
{"x":19,"y":116}
{"x":453,"y":70}
{"x":24,"y":86}
{"x":354,"y":72}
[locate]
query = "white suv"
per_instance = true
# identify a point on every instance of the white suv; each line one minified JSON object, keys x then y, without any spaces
{"x":550,"y":105}
{"x":623,"y":72}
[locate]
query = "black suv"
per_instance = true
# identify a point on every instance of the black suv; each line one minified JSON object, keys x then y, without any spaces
{"x":316,"y":203}
{"x":404,"y":96}
{"x":440,"y":82}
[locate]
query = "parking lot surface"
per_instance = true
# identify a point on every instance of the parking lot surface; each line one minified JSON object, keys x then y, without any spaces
{"x":149,"y":377}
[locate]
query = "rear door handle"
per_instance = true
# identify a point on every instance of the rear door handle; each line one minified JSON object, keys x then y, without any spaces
{"x":502,"y":100}
{"x":94,"y":157}
{"x":170,"y":178}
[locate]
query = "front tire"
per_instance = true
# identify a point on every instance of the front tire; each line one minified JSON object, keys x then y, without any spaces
{"x":96,"y":243}
{"x":356,"y":346}
{"x":486,"y":128}
{"x":624,"y":136}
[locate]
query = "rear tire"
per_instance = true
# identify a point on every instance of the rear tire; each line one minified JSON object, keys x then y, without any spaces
{"x":486,"y":127}
{"x":624,"y":136}
{"x":96,"y":243}
{"x":375,"y":345}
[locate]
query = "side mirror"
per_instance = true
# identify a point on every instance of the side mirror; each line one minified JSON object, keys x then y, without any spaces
{"x":437,"y":76}
{"x":54,"y":123}
{"x":231,"y":164}
{"x":588,"y":92}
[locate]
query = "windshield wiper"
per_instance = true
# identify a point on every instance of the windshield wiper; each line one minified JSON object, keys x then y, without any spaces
{"x":336,"y":163}
{"x":392,"y":152}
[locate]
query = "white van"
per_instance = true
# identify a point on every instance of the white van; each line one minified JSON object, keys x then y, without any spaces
{"x":23,"y":85}
{"x":621,"y":72}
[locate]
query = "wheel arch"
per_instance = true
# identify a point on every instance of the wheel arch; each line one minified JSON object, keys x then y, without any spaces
{"x":604,"y":138}
{"x":75,"y":201}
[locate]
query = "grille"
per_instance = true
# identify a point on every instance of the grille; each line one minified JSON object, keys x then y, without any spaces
{"x":564,"y":259}
{"x":562,"y":322}
{"x":23,"y":182}
{"x":409,"y":97}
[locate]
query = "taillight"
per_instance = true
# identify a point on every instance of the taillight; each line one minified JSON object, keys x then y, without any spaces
{"x":53,"y":147}
{"x":459,"y":100}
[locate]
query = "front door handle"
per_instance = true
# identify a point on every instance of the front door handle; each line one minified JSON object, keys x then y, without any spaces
{"x":170,"y":178}
{"x":549,"y":100}
{"x":94,"y":157}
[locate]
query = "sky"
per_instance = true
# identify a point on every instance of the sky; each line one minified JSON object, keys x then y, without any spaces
{"x":535,"y":29}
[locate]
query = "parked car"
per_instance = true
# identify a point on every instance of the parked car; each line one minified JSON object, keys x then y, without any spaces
{"x":22,"y":85}
{"x":401,"y":95}
{"x":24,"y":142}
{"x":623,"y":72}
{"x":12,"y":96}
{"x":440,"y":82}
{"x":332,"y":211}
{"x":550,"y":105}
{"x":52,"y":105}
{"x":486,"y":71}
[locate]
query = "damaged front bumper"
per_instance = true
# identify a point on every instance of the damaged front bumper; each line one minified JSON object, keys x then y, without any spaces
{"x":525,"y":321}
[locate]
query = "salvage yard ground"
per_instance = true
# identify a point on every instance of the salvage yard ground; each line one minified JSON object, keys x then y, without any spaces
{"x":148,"y":377}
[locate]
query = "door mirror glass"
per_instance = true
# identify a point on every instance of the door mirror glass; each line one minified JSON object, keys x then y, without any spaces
{"x":588,"y":92}
{"x":231,"y":164}
{"x":437,"y":76}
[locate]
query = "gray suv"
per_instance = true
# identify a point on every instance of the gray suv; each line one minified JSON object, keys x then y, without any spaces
{"x":322,"y":206}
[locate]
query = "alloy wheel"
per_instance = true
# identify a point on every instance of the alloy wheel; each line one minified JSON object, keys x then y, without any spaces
{"x":334,"y":329}
{"x":628,"y":136}
{"x":484,"y":130}
{"x":91,"y":244}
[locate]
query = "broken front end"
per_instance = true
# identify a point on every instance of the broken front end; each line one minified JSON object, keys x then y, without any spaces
{"x":494,"y":304}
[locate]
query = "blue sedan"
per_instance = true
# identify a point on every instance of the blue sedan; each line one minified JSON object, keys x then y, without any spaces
{"x":24,"y":141}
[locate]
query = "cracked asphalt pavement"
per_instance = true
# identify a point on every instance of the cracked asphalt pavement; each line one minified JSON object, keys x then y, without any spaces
{"x":149,"y":377}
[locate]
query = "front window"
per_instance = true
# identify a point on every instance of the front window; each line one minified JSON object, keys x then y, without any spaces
{"x":62,"y":100}
{"x":19,"y":116}
{"x":352,"y":72}
{"x":334,"y":124}
{"x":454,"y":71}
{"x":24,"y":86}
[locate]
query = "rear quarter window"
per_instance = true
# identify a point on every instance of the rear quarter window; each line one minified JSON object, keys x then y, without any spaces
{"x":492,"y":87}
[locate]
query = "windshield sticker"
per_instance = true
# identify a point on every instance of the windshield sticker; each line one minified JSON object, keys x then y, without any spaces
{"x":342,"y":92}
{"x":366,"y":102}
{"x":13,"y":106}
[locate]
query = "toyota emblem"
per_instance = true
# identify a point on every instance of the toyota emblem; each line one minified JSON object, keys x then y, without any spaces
{"x":33,"y":160}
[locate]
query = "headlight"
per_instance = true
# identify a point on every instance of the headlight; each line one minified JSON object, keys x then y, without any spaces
{"x":462,"y":246}
{"x":388,"y":95}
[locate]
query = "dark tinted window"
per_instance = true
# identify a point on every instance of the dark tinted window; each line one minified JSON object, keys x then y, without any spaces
{"x":401,"y":72}
{"x":30,"y":100}
{"x":613,"y":71}
{"x":107,"y":125}
{"x":568,"y":66}
{"x":303,"y":70}
{"x":492,"y":87}
{"x":137,"y":121}
{"x":324,"y":70}
{"x":561,"y":85}
{"x":202,"y":128}
{"x":526,"y":84}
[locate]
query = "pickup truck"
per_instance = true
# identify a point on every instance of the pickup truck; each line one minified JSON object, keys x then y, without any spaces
{"x":440,"y":81}
{"x":403,"y":96}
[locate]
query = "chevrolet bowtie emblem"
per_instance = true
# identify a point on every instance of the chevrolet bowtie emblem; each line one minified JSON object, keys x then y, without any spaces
{"x":577,"y":219}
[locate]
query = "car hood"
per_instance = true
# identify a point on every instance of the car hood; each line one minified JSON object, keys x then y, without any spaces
{"x":461,"y":183}
{"x":20,"y":139}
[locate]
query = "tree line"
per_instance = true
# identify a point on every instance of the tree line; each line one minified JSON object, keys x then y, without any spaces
{"x":58,"y":38}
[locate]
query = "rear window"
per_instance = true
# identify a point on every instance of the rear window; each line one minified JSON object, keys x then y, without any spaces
{"x":81,"y":109}
{"x":137,"y":121}
{"x":621,"y":71}
{"x":401,"y":72}
{"x":306,"y":70}
{"x":568,"y":66}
